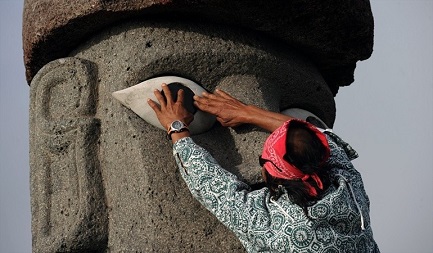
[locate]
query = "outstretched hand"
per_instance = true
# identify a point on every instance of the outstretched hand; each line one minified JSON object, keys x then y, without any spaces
{"x":229,"y":111}
{"x":170,"y":110}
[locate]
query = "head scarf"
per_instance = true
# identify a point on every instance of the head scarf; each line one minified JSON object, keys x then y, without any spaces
{"x":275,"y":149}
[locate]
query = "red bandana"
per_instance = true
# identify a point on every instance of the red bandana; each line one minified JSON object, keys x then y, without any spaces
{"x":275,"y":148}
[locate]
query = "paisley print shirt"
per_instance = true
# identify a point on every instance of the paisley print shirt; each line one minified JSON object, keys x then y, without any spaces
{"x":338,"y":223}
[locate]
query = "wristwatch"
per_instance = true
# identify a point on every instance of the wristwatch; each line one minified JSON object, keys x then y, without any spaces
{"x":176,"y":126}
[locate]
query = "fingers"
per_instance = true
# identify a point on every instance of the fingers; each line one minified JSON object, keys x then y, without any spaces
{"x":154,"y":106}
{"x":161,"y":99}
{"x":167,"y":94}
{"x":209,"y":95}
{"x":219,"y":95}
{"x":206,"y":98}
{"x":223,"y":94}
{"x":198,"y":103}
{"x":168,"y":99}
{"x":169,"y":110}
{"x":180,"y":96}
{"x":209,"y":102}
{"x":202,"y":102}
{"x":197,"y":98}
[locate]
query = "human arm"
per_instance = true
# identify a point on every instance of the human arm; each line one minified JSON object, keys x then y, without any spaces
{"x":219,"y":191}
{"x":230,"y":112}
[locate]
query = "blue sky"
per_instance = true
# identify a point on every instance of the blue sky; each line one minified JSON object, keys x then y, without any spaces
{"x":386,"y":115}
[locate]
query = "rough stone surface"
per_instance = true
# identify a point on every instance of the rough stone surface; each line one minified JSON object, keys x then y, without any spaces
{"x":142,"y":203}
{"x":333,"y":35}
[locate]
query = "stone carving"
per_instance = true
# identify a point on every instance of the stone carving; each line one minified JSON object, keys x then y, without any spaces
{"x":105,"y":180}
{"x":68,"y":202}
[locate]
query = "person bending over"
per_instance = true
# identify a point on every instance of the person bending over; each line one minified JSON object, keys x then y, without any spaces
{"x":314,"y":199}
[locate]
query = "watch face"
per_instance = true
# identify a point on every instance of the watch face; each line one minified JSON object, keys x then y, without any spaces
{"x":177,"y":125}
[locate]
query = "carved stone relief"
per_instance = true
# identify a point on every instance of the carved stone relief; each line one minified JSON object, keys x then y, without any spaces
{"x":68,"y":201}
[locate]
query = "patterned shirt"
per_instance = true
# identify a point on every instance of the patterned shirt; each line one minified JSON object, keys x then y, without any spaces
{"x":339,"y":222}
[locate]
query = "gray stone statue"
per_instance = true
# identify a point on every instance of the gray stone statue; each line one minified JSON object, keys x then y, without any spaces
{"x":101,"y":178}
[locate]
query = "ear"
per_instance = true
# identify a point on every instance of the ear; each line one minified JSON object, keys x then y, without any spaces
{"x":64,"y":166}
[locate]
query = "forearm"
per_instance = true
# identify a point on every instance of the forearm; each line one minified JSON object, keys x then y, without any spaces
{"x":262,"y":118}
{"x":221,"y":192}
{"x":231,"y":112}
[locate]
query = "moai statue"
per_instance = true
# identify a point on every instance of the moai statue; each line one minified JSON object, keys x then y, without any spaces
{"x":103,"y":179}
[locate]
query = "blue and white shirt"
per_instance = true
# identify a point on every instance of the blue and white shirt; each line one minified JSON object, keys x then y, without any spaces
{"x":339,"y":221}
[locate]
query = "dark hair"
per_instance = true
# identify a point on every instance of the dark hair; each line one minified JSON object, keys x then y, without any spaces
{"x":306,"y":152}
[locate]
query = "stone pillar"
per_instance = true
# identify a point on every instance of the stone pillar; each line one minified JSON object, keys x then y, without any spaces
{"x":102,"y":179}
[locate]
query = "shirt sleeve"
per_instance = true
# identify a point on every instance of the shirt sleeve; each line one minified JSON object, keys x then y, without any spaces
{"x":221,"y":192}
